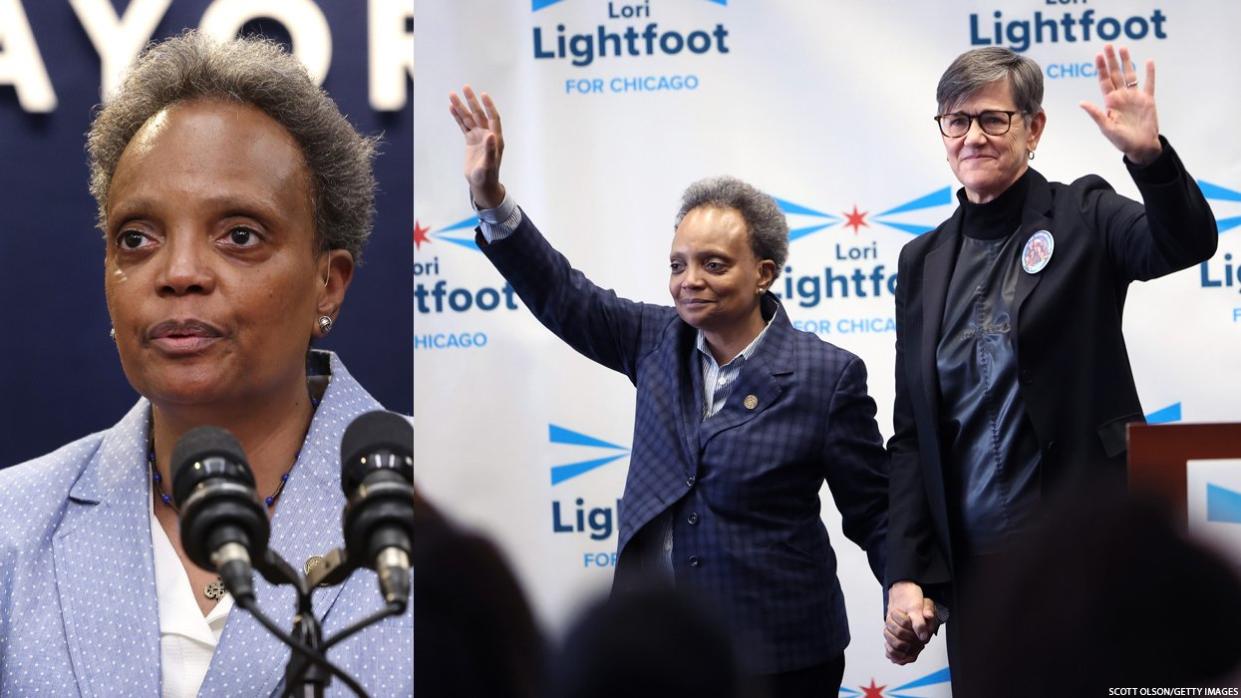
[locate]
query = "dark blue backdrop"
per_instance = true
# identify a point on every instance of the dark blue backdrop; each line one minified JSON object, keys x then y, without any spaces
{"x":59,"y":374}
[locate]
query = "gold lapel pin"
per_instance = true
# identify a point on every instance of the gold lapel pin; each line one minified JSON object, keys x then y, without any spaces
{"x":311,"y":563}
{"x":750,"y":402}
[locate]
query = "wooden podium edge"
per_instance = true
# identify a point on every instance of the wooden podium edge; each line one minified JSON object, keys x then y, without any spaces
{"x":1159,"y":455}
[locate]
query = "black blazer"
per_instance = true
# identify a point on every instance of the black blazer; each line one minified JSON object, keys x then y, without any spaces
{"x":1073,"y":369}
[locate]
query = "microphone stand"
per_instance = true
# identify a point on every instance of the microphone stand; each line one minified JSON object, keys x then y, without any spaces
{"x":308,"y":671}
{"x":305,"y":674}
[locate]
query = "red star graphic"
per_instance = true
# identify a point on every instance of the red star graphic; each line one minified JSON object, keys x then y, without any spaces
{"x":420,"y":235}
{"x":856,"y":220}
{"x":871,"y":691}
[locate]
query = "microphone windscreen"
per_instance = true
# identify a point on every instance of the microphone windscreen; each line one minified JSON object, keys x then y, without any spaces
{"x":371,"y":433}
{"x":192,"y":451}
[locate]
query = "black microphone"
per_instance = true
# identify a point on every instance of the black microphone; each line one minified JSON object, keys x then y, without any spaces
{"x":223,"y":523}
{"x":377,"y":475}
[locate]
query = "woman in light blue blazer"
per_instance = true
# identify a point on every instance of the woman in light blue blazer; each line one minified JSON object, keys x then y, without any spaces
{"x":234,"y":199}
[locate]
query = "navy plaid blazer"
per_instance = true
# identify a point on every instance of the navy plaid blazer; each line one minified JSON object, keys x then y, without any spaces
{"x":742,"y":486}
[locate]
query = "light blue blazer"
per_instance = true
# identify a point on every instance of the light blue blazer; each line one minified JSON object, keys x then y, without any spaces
{"x":78,"y":613}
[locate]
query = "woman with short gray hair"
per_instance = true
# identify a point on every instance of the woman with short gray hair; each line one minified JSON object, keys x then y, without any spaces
{"x":234,"y":199}
{"x":262,"y":74}
{"x":769,"y":230}
{"x":1011,"y":372}
{"x":740,"y":417}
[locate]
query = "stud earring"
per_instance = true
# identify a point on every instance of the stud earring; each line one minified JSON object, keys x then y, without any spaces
{"x":112,"y":333}
{"x":325,"y":324}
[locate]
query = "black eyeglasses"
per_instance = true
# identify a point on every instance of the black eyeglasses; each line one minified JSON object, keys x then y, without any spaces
{"x":993,"y":122}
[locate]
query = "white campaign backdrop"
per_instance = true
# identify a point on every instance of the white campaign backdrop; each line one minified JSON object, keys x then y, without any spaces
{"x":825,"y":105}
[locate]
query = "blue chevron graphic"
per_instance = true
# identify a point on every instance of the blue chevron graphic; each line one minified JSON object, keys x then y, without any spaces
{"x":567,"y":471}
{"x":1225,"y":224}
{"x":560,"y":435}
{"x":938,"y":677}
{"x":465,"y":240}
{"x":911,"y":228}
{"x":464,"y":224}
{"x":1215,"y":191}
{"x":940,"y":197}
{"x":790,"y":208}
{"x":802,"y":232}
{"x":467,"y":243}
{"x":1171,"y":413}
{"x":797,"y":209}
{"x":1223,"y":505}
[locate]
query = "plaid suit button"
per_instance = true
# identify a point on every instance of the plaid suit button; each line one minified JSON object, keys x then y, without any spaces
{"x":693,"y":518}
{"x":689,"y":481}
{"x":694,"y":561}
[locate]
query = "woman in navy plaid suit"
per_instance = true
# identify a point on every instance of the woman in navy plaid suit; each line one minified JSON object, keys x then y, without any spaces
{"x":740,"y":418}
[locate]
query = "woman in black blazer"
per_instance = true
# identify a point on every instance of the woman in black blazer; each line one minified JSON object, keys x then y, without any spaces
{"x":1011,"y":369}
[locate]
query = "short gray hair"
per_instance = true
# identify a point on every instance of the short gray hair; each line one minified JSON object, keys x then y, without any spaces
{"x":260,"y":73}
{"x":769,"y":231}
{"x":976,"y":68}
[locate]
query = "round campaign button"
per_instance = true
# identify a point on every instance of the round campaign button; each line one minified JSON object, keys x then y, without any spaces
{"x":1037,"y":252}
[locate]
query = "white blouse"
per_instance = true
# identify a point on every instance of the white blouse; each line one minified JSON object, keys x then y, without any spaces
{"x":187,"y":639}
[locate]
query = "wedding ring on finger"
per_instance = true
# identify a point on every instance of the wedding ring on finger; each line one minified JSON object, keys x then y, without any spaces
{"x":1131,"y":84}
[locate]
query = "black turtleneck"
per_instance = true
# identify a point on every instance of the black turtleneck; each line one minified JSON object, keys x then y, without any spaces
{"x":992,"y":454}
{"x":997,"y":218}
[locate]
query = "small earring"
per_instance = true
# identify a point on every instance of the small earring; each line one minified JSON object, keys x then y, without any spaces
{"x":112,"y":333}
{"x":1030,"y":154}
{"x":325,"y":324}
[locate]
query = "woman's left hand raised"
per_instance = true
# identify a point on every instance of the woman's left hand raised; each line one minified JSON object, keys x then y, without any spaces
{"x":1128,"y":116}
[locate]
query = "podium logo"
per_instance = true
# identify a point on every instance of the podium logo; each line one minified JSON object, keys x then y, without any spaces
{"x":1214,"y":506}
{"x":1223,"y":504}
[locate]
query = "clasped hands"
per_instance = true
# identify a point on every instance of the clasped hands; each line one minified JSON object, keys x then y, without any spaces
{"x":912,"y":620}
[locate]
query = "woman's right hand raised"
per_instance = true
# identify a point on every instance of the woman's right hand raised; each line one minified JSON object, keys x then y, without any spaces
{"x":484,"y":145}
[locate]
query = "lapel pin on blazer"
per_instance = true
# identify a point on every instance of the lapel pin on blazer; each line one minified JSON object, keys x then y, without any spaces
{"x":1037,"y":252}
{"x":311,"y":563}
{"x":750,"y":402}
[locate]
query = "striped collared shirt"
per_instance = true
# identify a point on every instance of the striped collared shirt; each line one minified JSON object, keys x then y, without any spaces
{"x":717,"y":380}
